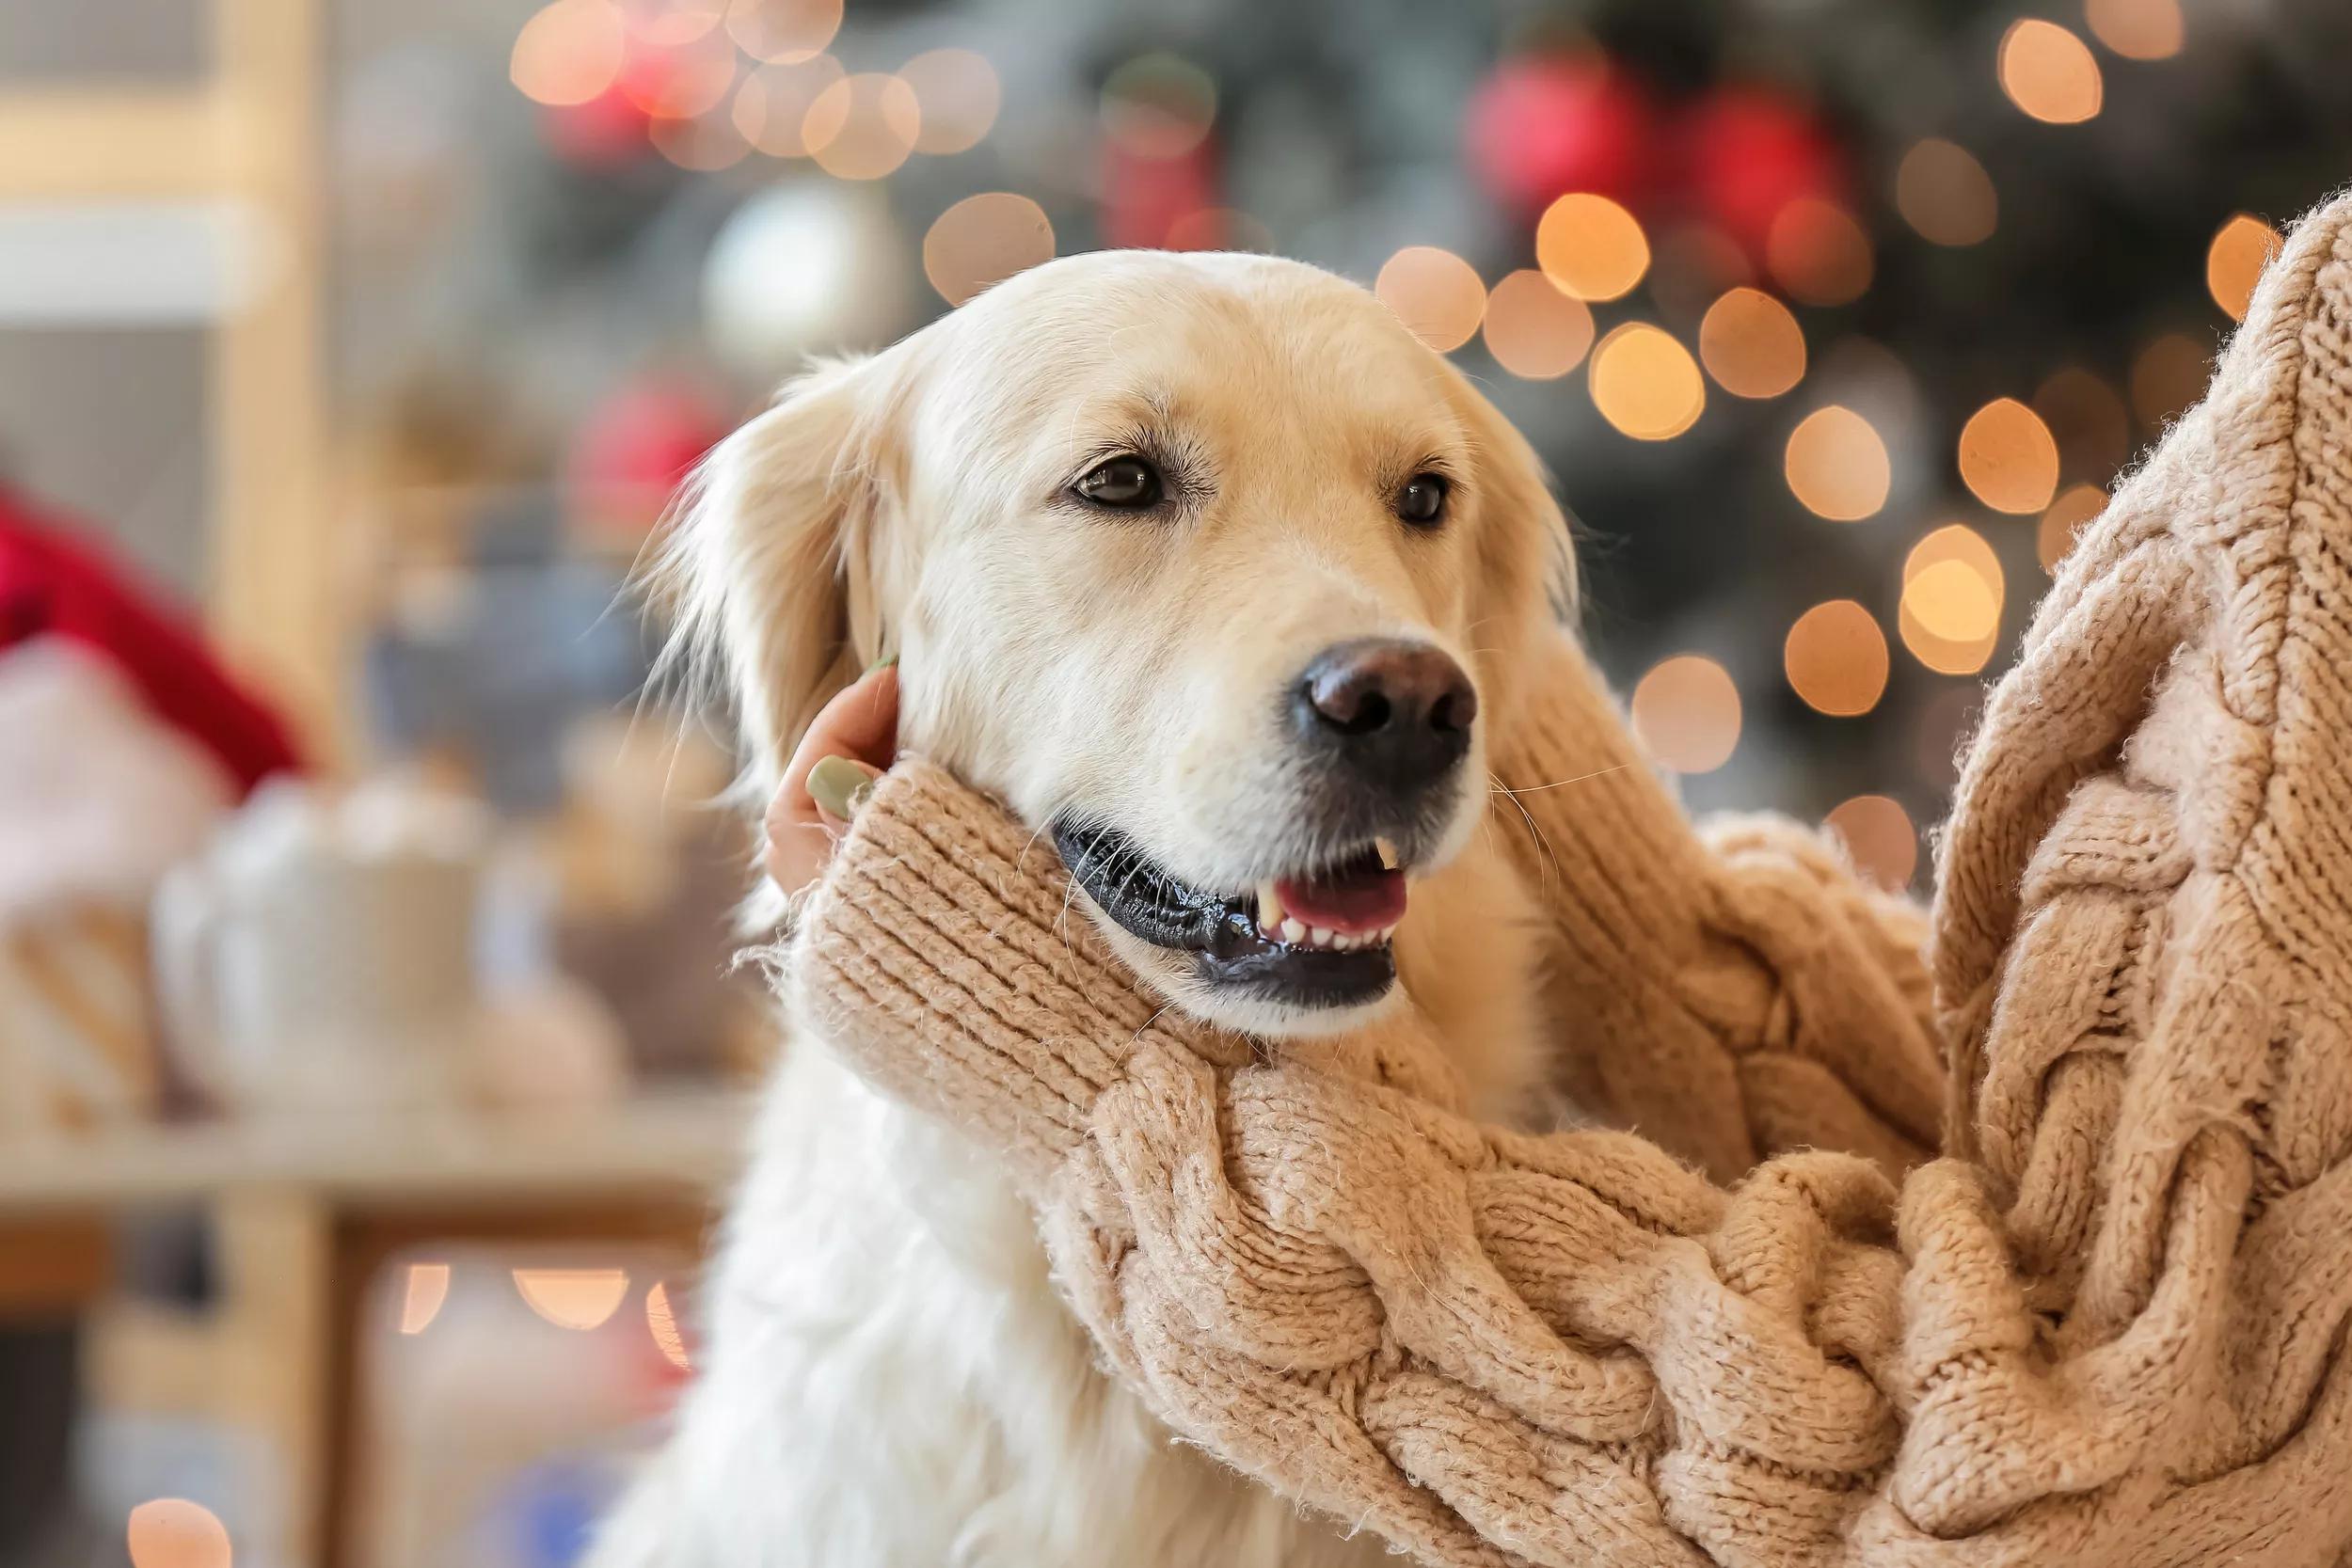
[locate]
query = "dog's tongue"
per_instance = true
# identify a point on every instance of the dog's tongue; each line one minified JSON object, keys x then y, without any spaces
{"x":1351,"y":901}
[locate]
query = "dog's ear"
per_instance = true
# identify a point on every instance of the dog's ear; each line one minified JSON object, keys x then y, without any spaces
{"x":764,"y":569}
{"x":1526,"y":562}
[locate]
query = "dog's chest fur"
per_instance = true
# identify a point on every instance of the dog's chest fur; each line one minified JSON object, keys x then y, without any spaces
{"x":890,"y":1381}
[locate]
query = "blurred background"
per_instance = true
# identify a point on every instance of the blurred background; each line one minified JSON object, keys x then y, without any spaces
{"x":368,"y":1053}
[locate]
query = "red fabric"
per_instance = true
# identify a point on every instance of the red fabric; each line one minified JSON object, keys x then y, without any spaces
{"x":54,"y":584}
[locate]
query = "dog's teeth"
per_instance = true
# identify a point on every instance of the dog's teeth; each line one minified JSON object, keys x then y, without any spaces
{"x":1388,"y":860}
{"x":1320,"y":937}
{"x":1269,"y":908}
{"x":1293,"y":933}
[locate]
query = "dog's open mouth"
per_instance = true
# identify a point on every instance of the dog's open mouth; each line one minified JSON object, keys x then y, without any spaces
{"x":1313,"y":940}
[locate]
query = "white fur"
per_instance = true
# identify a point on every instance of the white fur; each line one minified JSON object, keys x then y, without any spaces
{"x":889,"y":1379}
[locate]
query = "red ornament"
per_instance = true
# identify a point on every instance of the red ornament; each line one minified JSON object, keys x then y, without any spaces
{"x":1542,"y":126}
{"x":1150,"y":201}
{"x":1748,"y":152}
{"x":631,"y":453}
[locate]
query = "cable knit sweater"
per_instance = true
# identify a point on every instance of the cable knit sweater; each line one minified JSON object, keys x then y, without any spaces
{"x":2104,"y":1329}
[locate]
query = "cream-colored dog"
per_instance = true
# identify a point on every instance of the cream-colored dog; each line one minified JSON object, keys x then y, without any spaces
{"x":1213,"y":572}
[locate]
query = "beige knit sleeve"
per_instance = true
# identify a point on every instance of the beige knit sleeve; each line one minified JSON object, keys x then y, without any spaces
{"x":2112,"y":1337}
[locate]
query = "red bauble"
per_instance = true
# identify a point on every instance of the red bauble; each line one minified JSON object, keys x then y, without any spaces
{"x":1151,"y":202}
{"x":1542,"y":126}
{"x":1747,"y":152}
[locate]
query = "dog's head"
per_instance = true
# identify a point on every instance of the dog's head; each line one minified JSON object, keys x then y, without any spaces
{"x":1203,"y":564}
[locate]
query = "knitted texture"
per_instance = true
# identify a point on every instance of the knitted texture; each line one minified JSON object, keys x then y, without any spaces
{"x":2102,"y":1331}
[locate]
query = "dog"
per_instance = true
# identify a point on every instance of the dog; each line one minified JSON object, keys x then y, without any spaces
{"x":1208,"y":568}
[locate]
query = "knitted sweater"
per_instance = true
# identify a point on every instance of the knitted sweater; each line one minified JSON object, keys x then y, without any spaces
{"x":2104,"y":1330}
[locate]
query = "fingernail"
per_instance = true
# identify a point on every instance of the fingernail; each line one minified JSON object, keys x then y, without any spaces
{"x":882,"y":664}
{"x":839,"y":786}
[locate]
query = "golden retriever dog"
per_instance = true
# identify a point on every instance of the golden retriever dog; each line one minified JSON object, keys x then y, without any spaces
{"x":1208,"y":568}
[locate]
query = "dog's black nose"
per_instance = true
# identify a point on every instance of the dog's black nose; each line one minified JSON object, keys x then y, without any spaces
{"x":1397,"y":714}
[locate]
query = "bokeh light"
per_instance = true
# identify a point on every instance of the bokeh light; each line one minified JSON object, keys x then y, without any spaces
{"x":2064,"y":522}
{"x":772,"y":106}
{"x":703,"y":144}
{"x":2169,"y":375}
{"x":2234,"y":261}
{"x":691,"y":80}
{"x":1435,"y":293}
{"x":1880,"y":839}
{"x":424,"y":1292}
{"x":1944,"y":193}
{"x":959,"y":95}
{"x":668,"y":23}
{"x":1836,"y":659}
{"x":662,"y":1322}
{"x":1591,"y":248}
{"x":1950,"y":617}
{"x":1533,"y":330}
{"x":578,"y":1299}
{"x":1686,"y":713}
{"x":782,"y":31}
{"x":1837,"y":465}
{"x":1818,"y":252}
{"x":1158,"y":105}
{"x":173,"y":1532}
{"x":2136,"y":29}
{"x":569,"y":52}
{"x":2087,"y":420}
{"x":862,"y":127}
{"x":983,"y":240}
{"x":1646,"y":384}
{"x":2049,"y":72}
{"x":2007,"y":458}
{"x":1751,"y":344}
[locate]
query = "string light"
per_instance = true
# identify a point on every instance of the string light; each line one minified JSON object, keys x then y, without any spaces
{"x":1944,"y":193}
{"x":2234,"y":262}
{"x":427,"y":1289}
{"x":1950,"y":615}
{"x":959,"y":96}
{"x":1533,"y":330}
{"x":1836,"y":659}
{"x":2007,"y":457}
{"x":1751,"y":344}
{"x":1158,"y":105}
{"x":1837,"y":465}
{"x":1591,"y":248}
{"x":1819,"y":253}
{"x":983,"y":240}
{"x":783,"y":32}
{"x":2049,"y":72}
{"x":863,"y":126}
{"x":578,"y":1299}
{"x":1686,"y":714}
{"x":568,"y":53}
{"x":1434,"y":293}
{"x":2136,"y":29}
{"x":173,"y":1532}
{"x":772,"y":106}
{"x":2088,"y":419}
{"x":1646,"y":384}
{"x":2063,"y":523}
{"x":1880,"y":839}
{"x":2169,"y":375}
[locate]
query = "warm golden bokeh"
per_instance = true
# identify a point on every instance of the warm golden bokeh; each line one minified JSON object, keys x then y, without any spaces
{"x":1591,"y":248}
{"x":2234,"y":261}
{"x":1879,"y":838}
{"x":579,"y":1299}
{"x":1819,"y":253}
{"x":1534,"y":330}
{"x":694,"y":81}
{"x":669,"y":23}
{"x":1751,"y":344}
{"x":2063,"y":523}
{"x":2136,"y":29}
{"x":782,"y":31}
{"x":2168,"y":376}
{"x":662,"y":1322}
{"x":2049,"y":72}
{"x":703,"y":144}
{"x":1435,"y":293}
{"x":425,"y":1288}
{"x":1837,"y":465}
{"x":983,"y":240}
{"x":2007,"y":458}
{"x":1686,"y":714}
{"x":2087,"y":420}
{"x":959,"y":95}
{"x":173,"y":1532}
{"x":862,"y":127}
{"x":772,"y":106}
{"x":1158,"y":105}
{"x":568,"y":52}
{"x":1944,"y":193}
{"x":1836,"y":659}
{"x":1646,"y":384}
{"x":1950,"y":617}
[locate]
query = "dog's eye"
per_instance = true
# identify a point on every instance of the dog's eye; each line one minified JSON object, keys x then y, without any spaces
{"x":1422,"y":502}
{"x":1128,"y":482}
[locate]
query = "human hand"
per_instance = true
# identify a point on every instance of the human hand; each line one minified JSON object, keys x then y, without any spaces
{"x":852,"y":738}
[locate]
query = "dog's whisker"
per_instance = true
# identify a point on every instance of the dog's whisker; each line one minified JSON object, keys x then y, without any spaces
{"x":1499,"y":787}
